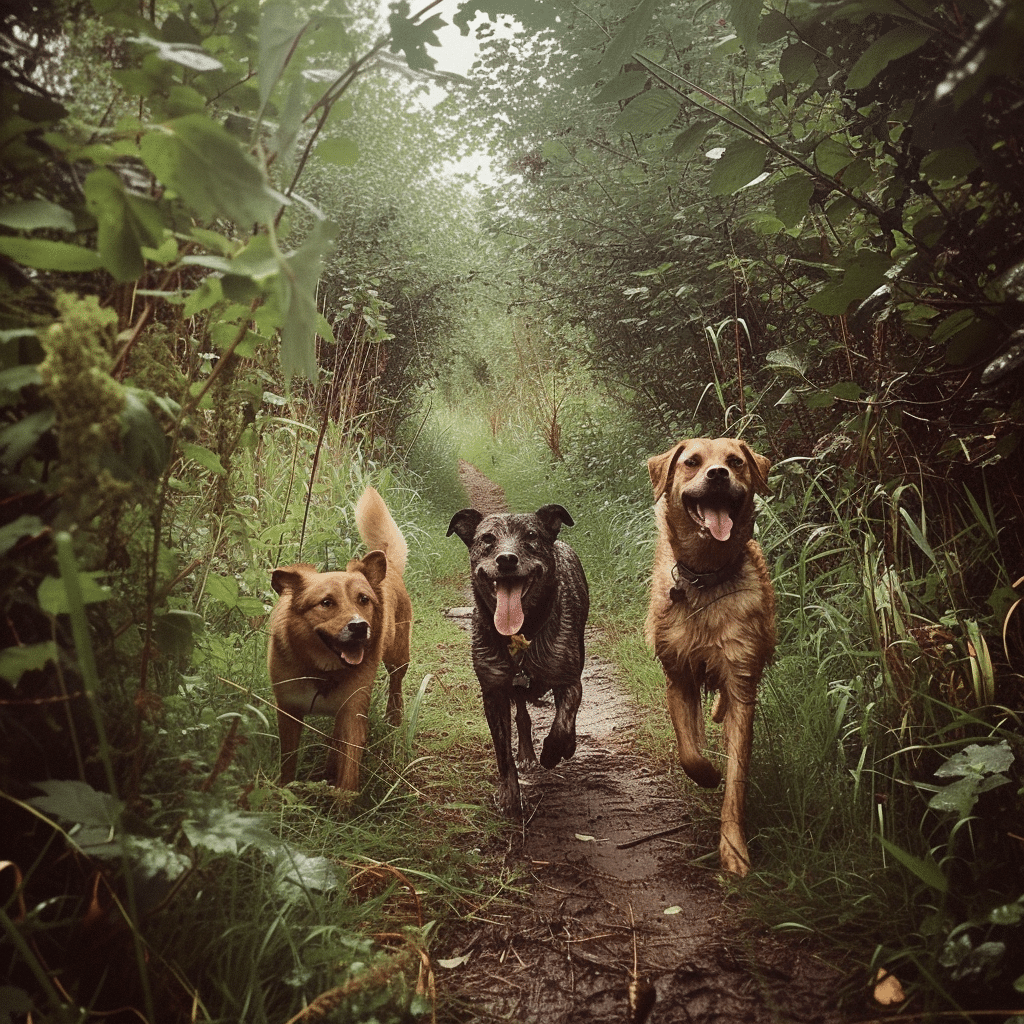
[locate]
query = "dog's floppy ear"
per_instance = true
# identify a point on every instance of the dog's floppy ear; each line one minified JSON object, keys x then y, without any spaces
{"x":290,"y":577}
{"x":759,"y":467}
{"x":661,"y":467}
{"x":464,"y":523}
{"x":553,"y":516}
{"x":374,"y":566}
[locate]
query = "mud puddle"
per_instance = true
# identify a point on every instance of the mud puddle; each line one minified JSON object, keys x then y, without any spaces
{"x":618,"y":923}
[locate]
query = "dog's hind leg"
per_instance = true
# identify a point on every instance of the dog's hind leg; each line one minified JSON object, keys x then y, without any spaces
{"x":560,"y":743}
{"x":684,"y":708}
{"x":526,"y":757}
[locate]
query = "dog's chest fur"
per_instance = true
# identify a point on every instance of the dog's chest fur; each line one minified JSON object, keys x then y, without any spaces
{"x":556,"y":611}
{"x":691,"y":625}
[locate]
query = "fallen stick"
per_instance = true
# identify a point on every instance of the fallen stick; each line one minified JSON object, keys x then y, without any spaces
{"x":652,"y":835}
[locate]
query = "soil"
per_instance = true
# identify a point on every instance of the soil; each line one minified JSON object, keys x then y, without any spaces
{"x":617,"y":922}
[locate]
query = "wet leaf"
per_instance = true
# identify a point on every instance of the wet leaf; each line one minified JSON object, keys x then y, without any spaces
{"x":456,"y":961}
{"x":668,"y":911}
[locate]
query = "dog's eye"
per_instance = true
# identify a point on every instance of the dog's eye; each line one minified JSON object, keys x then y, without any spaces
{"x":363,"y":599}
{"x":736,"y":462}
{"x":327,"y":602}
{"x":487,"y":538}
{"x":692,"y":462}
{"x":531,"y":534}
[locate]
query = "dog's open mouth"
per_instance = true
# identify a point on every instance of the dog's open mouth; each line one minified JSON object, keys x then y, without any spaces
{"x":715,"y":519}
{"x":508,"y":606}
{"x":351,"y":652}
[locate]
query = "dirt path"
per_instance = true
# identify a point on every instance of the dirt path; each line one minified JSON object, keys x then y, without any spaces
{"x":617,"y":923}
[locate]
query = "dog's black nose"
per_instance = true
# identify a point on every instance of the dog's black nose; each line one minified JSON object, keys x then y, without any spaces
{"x":357,"y":629}
{"x":718,"y":473}
{"x":507,"y":561}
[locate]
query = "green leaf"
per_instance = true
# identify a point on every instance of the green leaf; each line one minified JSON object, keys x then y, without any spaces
{"x":339,"y":150}
{"x":831,"y":156}
{"x":223,"y":589}
{"x":53,"y":598}
{"x":796,"y":60}
{"x":866,"y":272}
{"x":686,"y":143}
{"x":144,"y":449}
{"x":622,"y":87}
{"x":924,"y":869}
{"x":36,"y":215}
{"x":978,"y":759}
{"x":204,"y":457}
{"x":210,"y":170}
{"x":792,"y":198}
{"x":223,"y":830}
{"x":297,"y":296}
{"x":650,"y":112}
{"x":16,"y":661}
{"x":950,"y":165}
{"x":897,"y":43}
{"x":18,"y":440}
{"x":43,"y":255}
{"x":741,"y":163}
{"x":78,"y":803}
{"x":23,"y":526}
{"x":745,"y":17}
{"x":126,"y":224}
{"x":279,"y":30}
{"x":175,"y":632}
{"x":627,"y":40}
{"x":412,"y":39}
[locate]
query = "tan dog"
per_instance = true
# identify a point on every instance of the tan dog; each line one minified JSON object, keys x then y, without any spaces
{"x":329,"y":632}
{"x":712,"y":614}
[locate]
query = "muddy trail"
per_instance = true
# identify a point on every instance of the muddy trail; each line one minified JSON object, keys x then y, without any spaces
{"x":617,"y":923}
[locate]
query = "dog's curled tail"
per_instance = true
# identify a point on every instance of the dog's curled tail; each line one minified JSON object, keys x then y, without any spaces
{"x":379,"y":530}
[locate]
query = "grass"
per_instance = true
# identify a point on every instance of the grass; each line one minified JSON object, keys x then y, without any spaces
{"x":285,"y":902}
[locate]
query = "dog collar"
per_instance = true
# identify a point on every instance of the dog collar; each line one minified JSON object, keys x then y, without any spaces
{"x":683,"y":574}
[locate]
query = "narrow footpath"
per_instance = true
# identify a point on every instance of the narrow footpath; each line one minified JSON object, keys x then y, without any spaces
{"x":618,"y":924}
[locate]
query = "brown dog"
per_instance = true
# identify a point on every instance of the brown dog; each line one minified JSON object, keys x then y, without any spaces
{"x":712,"y":614}
{"x":329,"y":632}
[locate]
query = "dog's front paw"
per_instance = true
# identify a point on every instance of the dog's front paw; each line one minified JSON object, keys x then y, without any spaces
{"x":557,"y":748}
{"x":526,"y":759}
{"x":509,"y":801}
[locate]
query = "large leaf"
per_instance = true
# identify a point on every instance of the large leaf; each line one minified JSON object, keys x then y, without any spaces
{"x":41,"y":254}
{"x":738,"y":166}
{"x":297,"y":296}
{"x":35,"y":215}
{"x":650,"y":112}
{"x":864,"y":273}
{"x":210,"y":170}
{"x":412,"y":39}
{"x":279,"y":32}
{"x":126,"y":224}
{"x":792,"y":198}
{"x":628,"y":39}
{"x":745,"y":17}
{"x":16,"y":661}
{"x":897,"y":43}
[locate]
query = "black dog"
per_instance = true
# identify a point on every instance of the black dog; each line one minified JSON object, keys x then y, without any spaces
{"x":532,"y":603}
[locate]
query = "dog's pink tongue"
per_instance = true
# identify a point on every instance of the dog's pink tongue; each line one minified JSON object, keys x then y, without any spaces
{"x":354,"y":658}
{"x":508,"y":613}
{"x":718,"y":522}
